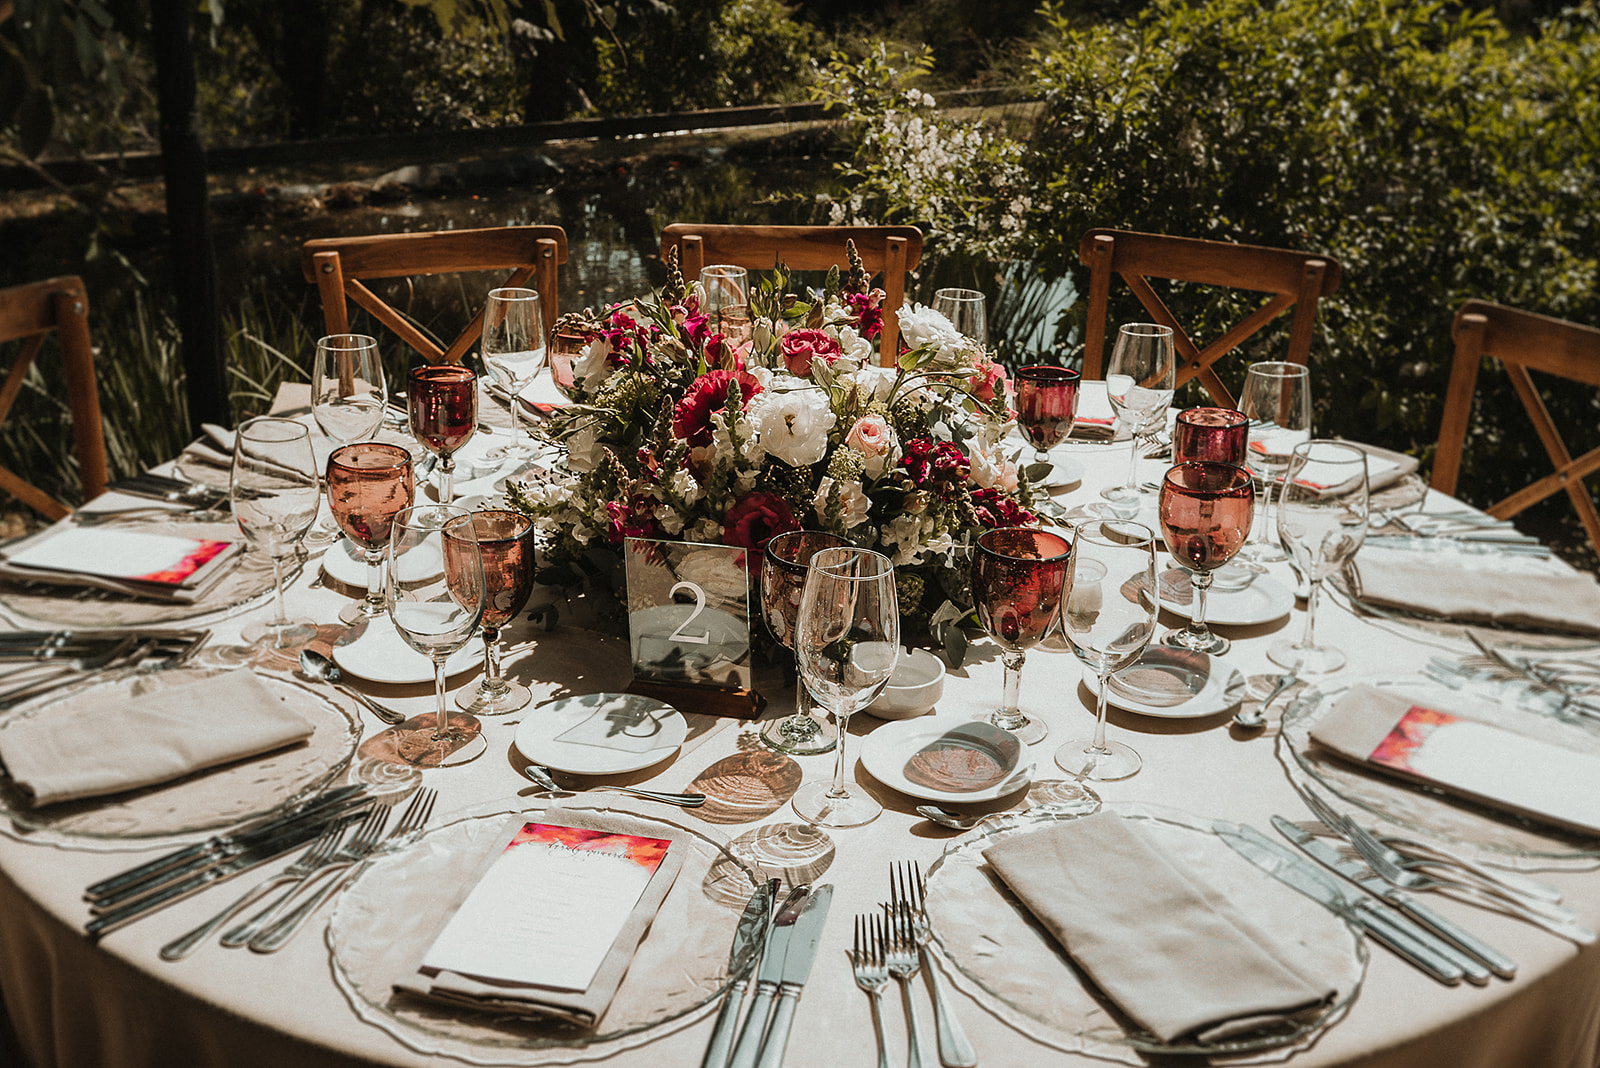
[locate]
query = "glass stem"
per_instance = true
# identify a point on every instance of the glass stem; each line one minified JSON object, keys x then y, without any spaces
{"x":1308,"y":639}
{"x":282,"y":617}
{"x":1099,"y":745}
{"x":441,"y":729}
{"x":516,"y":419}
{"x":492,"y":682}
{"x":447,"y":479}
{"x":838,"y":790}
{"x":1268,"y":483}
{"x":1133,"y":459}
{"x":1201,"y":581}
{"x":374,"y":605}
{"x":1009,"y":717}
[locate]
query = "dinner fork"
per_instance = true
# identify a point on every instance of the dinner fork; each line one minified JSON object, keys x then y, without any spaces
{"x":904,"y":960}
{"x":872,"y":974}
{"x":908,"y":893}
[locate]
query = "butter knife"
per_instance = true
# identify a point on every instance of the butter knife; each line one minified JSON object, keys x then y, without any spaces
{"x":748,"y":1047}
{"x":747,"y":940}
{"x":797,"y":959}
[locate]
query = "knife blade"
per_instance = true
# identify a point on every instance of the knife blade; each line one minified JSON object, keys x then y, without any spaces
{"x":1288,"y":867}
{"x":768,"y":977}
{"x":1476,"y":958}
{"x":797,"y":960}
{"x":748,"y":939}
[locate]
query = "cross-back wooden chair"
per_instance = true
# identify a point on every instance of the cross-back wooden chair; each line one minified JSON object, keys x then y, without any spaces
{"x":29,"y":313}
{"x":1521,"y":341}
{"x":339,"y":266}
{"x":1293,"y":280}
{"x":889,"y":251}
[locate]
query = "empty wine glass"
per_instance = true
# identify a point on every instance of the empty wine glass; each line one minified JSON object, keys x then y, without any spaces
{"x":1047,"y":404}
{"x":1322,"y":518}
{"x":1215,"y":435}
{"x":274,"y":493}
{"x":1205,"y":511}
{"x":1108,"y":617}
{"x":1140,"y":380}
{"x":513,"y":349}
{"x":442,"y":402}
{"x":727,"y":300}
{"x":505,"y":544}
{"x":1018,"y":574}
{"x":847,"y":637}
{"x":964,"y":309}
{"x":1277,"y":400}
{"x":368,"y":485}
{"x":435,"y":593}
{"x":783,"y":580}
{"x":348,"y":396}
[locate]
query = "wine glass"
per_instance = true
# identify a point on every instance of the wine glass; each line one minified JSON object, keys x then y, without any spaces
{"x":348,"y":395}
{"x":435,"y":593}
{"x":513,"y":349}
{"x":1277,"y":400}
{"x":274,"y":493}
{"x":1322,"y":518}
{"x":964,"y":309}
{"x":442,"y":401}
{"x":1047,"y":404}
{"x":368,"y":485}
{"x":846,"y":640}
{"x":783,"y":580}
{"x":727,"y":300}
{"x":1140,"y":380}
{"x":1108,"y":617}
{"x":1205,"y":511}
{"x":1018,"y":575}
{"x":1214,"y":435}
{"x":505,"y":544}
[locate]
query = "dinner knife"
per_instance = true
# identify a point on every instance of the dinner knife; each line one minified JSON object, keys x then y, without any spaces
{"x":770,"y":975}
{"x":747,"y":940}
{"x":797,"y":959}
{"x":1480,"y":953}
{"x":1288,"y":867}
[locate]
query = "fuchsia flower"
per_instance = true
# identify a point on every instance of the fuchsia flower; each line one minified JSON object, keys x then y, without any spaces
{"x":994,"y":509}
{"x":754,"y":520}
{"x":800,"y":347}
{"x":868,"y":312}
{"x":691,"y":419}
{"x":938,"y":467}
{"x":634,"y":519}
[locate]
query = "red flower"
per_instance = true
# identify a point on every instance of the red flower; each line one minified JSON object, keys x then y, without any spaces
{"x":635,"y":519}
{"x":691,"y":419}
{"x":754,"y":520}
{"x":988,"y":381}
{"x":938,"y":467}
{"x":866,"y":307}
{"x":800,"y":347}
{"x":994,"y":509}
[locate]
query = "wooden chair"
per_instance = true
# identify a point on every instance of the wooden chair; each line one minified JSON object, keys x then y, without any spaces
{"x":337,"y":266}
{"x":1294,"y":280}
{"x":887,"y":250}
{"x":1521,"y":341}
{"x":29,"y":313}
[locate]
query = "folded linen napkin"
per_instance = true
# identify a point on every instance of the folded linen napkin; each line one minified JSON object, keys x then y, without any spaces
{"x":214,"y":448}
{"x":1384,"y":469}
{"x":107,"y":745}
{"x":1172,"y":952}
{"x":1439,"y":584}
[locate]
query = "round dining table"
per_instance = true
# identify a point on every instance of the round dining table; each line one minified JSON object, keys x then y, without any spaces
{"x":75,"y":1002}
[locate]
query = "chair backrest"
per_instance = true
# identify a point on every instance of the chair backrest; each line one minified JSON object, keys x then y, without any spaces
{"x":887,"y":250}
{"x":1294,"y":280}
{"x":1521,"y":341}
{"x":29,"y":313}
{"x":337,"y":266}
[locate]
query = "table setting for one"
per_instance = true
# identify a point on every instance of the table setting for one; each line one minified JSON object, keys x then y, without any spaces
{"x":658,"y":696}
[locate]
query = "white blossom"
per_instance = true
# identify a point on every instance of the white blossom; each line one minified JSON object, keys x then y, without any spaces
{"x":792,"y":424}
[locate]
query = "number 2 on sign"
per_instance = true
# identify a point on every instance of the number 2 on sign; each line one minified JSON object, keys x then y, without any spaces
{"x":699,"y":606}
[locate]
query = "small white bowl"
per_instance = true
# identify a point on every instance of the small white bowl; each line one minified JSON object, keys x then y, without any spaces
{"x":914,"y":688}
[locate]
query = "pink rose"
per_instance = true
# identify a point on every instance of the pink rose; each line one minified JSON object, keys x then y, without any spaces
{"x":872,"y":438}
{"x":988,"y":381}
{"x":800,"y":347}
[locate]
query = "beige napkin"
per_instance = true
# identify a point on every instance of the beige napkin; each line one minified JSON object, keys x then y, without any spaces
{"x":1174,"y":954}
{"x":109,"y":745}
{"x":1441,"y":586}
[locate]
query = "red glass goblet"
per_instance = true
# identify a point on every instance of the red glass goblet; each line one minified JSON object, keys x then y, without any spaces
{"x":1205,"y":511}
{"x":1018,"y":575}
{"x":1215,"y":435}
{"x":1047,"y":404}
{"x":505,"y":542}
{"x":368,"y":485}
{"x":442,"y":402}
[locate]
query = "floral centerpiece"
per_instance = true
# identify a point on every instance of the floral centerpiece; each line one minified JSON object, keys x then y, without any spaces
{"x":679,"y":431}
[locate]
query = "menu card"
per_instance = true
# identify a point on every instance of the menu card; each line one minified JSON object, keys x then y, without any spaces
{"x":123,"y":560}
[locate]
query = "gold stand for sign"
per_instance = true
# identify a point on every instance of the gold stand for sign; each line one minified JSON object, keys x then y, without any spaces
{"x":709,"y":700}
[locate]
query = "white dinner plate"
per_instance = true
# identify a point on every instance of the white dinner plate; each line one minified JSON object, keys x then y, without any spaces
{"x":346,"y":562}
{"x":1064,"y":471}
{"x":1262,"y":601}
{"x":1174,"y":684}
{"x":601,"y":733}
{"x":947,"y":758}
{"x":379,"y":654}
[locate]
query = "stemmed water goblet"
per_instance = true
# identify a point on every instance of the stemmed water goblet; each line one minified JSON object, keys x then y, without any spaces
{"x":1322,"y":519}
{"x":1108,"y":618}
{"x":727,"y":300}
{"x":348,"y":395}
{"x":442,"y":402}
{"x":505,"y":544}
{"x":513,"y":349}
{"x":435,"y":593}
{"x":846,"y":641}
{"x":1277,"y":400}
{"x":1047,"y":404}
{"x":783,"y":580}
{"x":274,"y":493}
{"x":1205,"y":511}
{"x":369,"y":483}
{"x":1018,"y":576}
{"x":965,"y":310}
{"x":1140,"y":379}
{"x":1211,"y":435}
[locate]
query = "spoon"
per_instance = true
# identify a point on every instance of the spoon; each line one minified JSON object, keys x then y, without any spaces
{"x":1256,"y":719}
{"x":322,"y":669}
{"x":944,"y":818}
{"x":541,"y":775}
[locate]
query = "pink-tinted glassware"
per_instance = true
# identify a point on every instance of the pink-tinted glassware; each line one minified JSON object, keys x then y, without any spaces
{"x":1018,"y":576}
{"x":783,"y":580}
{"x":1205,"y":511}
{"x":1047,"y":404}
{"x":505,"y":543}
{"x":369,"y":483}
{"x":442,"y":402}
{"x":1215,"y":435}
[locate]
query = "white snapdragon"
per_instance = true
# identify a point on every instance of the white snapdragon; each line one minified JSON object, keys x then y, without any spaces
{"x":853,"y":502}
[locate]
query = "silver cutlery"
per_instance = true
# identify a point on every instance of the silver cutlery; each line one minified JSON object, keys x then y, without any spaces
{"x":798,"y":956}
{"x":1256,"y":718}
{"x":908,"y":898}
{"x":541,"y":775}
{"x":319,"y":667}
{"x":905,"y":962}
{"x":768,"y":978}
{"x":872,"y":973}
{"x":956,"y":821}
{"x":748,"y":939}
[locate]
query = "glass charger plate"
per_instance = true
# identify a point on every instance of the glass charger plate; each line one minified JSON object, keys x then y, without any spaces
{"x":1000,"y":955}
{"x":378,"y":931}
{"x":1490,"y":835}
{"x":205,"y":801}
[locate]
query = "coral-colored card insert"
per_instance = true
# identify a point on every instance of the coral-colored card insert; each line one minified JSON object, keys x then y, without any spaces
{"x":128,"y":555}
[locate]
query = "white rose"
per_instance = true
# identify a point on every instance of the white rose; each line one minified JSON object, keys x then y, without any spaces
{"x":584,"y":450}
{"x":874,"y":382}
{"x":793,"y":424}
{"x":991,"y":469}
{"x":921,"y":325}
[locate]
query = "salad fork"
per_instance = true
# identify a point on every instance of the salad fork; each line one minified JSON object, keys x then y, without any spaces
{"x":872,"y":973}
{"x":908,"y":895}
{"x":903,"y":957}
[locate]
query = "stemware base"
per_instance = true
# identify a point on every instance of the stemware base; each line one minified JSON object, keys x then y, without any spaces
{"x":800,"y":735}
{"x":1119,"y":502}
{"x":1081,"y":760}
{"x":386,"y":777}
{"x":1263,"y":552}
{"x":1027,"y":732}
{"x":482,"y":700}
{"x":289,"y":634}
{"x":1205,"y":642}
{"x":415,"y":741}
{"x":814,"y":805}
{"x":363,"y":611}
{"x":1306,"y":659}
{"x":519,"y":449}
